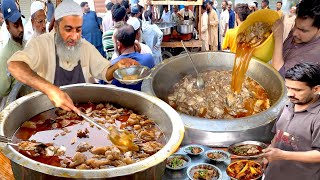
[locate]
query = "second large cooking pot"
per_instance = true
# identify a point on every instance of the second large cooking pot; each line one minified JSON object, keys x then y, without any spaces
{"x":150,"y":168}
{"x":185,"y":27}
{"x":220,"y":132}
{"x":166,"y":27}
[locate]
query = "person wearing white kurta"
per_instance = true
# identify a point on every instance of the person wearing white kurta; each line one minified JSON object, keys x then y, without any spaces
{"x":204,"y":29}
{"x":224,"y":21}
{"x":152,"y":36}
{"x":166,"y":15}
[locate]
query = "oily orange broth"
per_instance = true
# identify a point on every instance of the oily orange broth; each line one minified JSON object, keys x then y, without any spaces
{"x":44,"y":133}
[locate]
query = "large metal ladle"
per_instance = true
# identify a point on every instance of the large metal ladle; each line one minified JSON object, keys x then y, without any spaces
{"x":199,"y":81}
{"x":121,"y":138}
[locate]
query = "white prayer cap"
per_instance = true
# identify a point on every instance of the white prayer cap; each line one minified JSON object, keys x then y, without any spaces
{"x":36,"y":6}
{"x":134,"y":22}
{"x":252,"y":4}
{"x":142,"y":3}
{"x":67,"y":8}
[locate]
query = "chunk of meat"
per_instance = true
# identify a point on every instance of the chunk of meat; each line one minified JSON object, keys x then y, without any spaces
{"x":132,"y":121}
{"x":64,"y":123}
{"x":65,"y":162}
{"x":113,"y":153}
{"x":146,"y":122}
{"x":78,"y":159}
{"x":146,"y":135}
{"x":83,"y":146}
{"x":83,"y":133}
{"x":96,"y":163}
{"x":29,"y":124}
{"x":60,"y":112}
{"x":83,"y":166}
{"x":99,"y":150}
{"x":137,"y":127}
{"x":118,"y":163}
{"x":151,"y":147}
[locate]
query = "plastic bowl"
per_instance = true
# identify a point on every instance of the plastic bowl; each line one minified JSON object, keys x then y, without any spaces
{"x":192,"y":169}
{"x":182,"y":156}
{"x":264,"y":51}
{"x":134,"y":74}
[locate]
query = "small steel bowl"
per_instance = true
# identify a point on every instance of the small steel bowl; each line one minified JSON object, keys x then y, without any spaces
{"x":192,"y":169}
{"x":233,"y":178}
{"x":182,"y":156}
{"x":187,"y":149}
{"x":138,"y":73}
{"x":225,"y":155}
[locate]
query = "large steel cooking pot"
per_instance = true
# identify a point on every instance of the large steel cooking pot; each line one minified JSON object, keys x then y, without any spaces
{"x":185,"y":27}
{"x":166,"y":27}
{"x":220,"y":132}
{"x":30,"y":105}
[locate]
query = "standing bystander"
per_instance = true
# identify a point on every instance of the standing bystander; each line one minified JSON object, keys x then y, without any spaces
{"x":91,"y":28}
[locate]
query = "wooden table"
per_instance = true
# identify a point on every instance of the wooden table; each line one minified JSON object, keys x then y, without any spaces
{"x":5,"y":170}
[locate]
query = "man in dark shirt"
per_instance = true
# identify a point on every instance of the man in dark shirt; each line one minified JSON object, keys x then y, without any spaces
{"x":294,"y":151}
{"x":303,"y":42}
{"x":50,"y":10}
{"x":91,"y":28}
{"x":232,"y":15}
{"x":125,"y":38}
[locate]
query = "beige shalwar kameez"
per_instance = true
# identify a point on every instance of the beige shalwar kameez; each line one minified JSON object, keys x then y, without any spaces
{"x":204,"y":32}
{"x":213,"y":22}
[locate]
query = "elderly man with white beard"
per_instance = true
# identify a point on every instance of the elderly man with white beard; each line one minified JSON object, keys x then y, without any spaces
{"x":62,"y":58}
{"x":37,"y":22}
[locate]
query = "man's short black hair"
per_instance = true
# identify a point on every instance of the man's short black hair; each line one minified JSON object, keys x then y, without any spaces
{"x":126,"y":35}
{"x":266,"y":1}
{"x":125,"y":4}
{"x":118,"y":12}
{"x":204,"y":6}
{"x":109,"y":6}
{"x":309,"y":9}
{"x":165,"y":6}
{"x":82,"y":4}
{"x":243,"y":11}
{"x":148,"y":15}
{"x":225,"y":2}
{"x":279,"y":2}
{"x":305,"y":72}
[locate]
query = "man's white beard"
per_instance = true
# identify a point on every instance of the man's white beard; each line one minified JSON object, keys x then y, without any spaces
{"x":69,"y":56}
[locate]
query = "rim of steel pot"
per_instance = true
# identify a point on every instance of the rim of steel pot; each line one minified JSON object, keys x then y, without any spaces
{"x":170,"y":147}
{"x":220,"y":125}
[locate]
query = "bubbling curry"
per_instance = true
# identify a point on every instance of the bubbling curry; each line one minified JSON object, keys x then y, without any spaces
{"x":217,"y":100}
{"x":71,"y":142}
{"x":226,"y":94}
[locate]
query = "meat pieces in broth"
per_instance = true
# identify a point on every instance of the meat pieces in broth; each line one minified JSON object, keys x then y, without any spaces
{"x":205,"y":174}
{"x":216,"y":100}
{"x":255,"y":34}
{"x":83,"y":146}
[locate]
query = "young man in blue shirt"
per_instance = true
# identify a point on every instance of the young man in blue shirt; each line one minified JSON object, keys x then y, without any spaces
{"x":124,"y":47}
